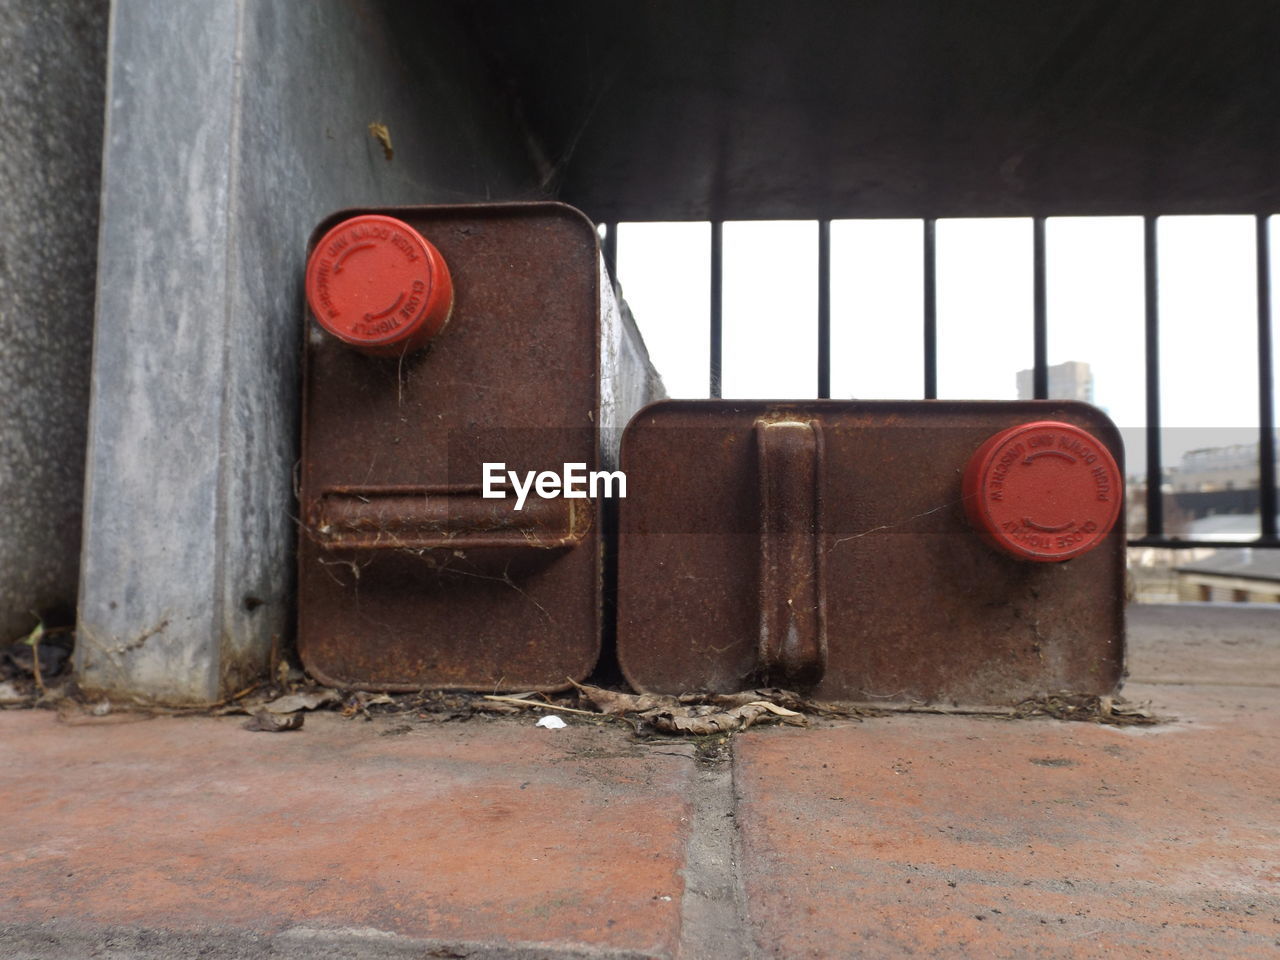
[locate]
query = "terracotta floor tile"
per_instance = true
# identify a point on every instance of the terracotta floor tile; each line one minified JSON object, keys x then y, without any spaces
{"x":947,"y":836}
{"x":489,"y":831}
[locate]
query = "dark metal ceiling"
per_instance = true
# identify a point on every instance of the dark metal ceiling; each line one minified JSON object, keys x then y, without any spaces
{"x":694,"y":109}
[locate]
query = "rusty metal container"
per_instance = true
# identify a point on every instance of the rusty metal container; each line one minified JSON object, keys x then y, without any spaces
{"x":865,"y":551}
{"x":442,"y":338}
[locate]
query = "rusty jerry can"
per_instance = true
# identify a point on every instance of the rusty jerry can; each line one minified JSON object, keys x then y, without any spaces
{"x":441,"y":339}
{"x":873,"y":551}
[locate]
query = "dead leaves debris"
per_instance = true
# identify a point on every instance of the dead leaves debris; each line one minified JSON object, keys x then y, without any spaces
{"x":281,"y":713}
{"x":286,"y":712}
{"x":694,"y":715}
{"x":358,"y":704}
{"x":703,"y":719}
{"x":282,"y":706}
{"x":264,"y":721}
{"x":1112,"y":711}
{"x":1072,"y":707}
{"x":705,"y":714}
{"x":307,"y":700}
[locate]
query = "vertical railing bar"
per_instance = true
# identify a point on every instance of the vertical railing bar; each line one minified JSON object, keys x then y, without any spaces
{"x":824,"y":309}
{"x":1266,"y":386}
{"x":930,"y":309}
{"x":609,"y":249}
{"x":717,"y":305}
{"x":1040,"y":367}
{"x":1155,"y":470}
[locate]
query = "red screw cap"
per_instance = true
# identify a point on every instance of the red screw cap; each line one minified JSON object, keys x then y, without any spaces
{"x":1043,"y":491}
{"x":377,"y":284}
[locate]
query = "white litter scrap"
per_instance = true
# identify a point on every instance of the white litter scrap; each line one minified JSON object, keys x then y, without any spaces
{"x":551,"y":722}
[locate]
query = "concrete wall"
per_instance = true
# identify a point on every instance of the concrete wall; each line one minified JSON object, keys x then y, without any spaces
{"x":52,"y":70}
{"x":233,"y":126}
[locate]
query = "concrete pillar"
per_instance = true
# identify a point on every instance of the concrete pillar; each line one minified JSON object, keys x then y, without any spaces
{"x":52,"y":73}
{"x":232,"y":127}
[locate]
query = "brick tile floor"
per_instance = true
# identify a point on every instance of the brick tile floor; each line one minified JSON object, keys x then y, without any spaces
{"x":490,"y":831}
{"x":984,"y":838}
{"x":899,"y":836}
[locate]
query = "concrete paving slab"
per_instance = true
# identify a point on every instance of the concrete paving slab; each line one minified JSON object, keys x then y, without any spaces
{"x":344,"y":838}
{"x":1191,"y":643}
{"x":927,"y":836}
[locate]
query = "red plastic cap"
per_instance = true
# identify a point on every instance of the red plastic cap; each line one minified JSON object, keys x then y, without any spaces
{"x":377,"y":284}
{"x":1043,"y":491}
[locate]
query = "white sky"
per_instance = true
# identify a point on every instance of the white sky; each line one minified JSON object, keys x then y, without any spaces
{"x":1208,"y":313}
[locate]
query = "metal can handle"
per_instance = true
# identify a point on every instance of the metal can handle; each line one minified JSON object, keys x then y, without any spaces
{"x":792,"y":640}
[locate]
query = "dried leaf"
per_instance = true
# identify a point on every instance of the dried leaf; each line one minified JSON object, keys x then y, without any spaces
{"x":763,"y":710}
{"x":382,"y":133}
{"x":699,"y":714}
{"x":784,"y":698}
{"x":360,"y":701}
{"x":615,"y":704}
{"x":363,"y":698}
{"x":266,"y":722}
{"x":293,"y":702}
{"x":1131,"y":710}
{"x":9,"y":694}
{"x":534,"y":704}
{"x":1086,"y":707}
{"x":697,"y":726}
{"x":774,"y":708}
{"x":701,"y":721}
{"x":489,"y":706}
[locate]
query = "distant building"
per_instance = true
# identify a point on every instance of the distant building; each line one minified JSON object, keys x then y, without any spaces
{"x":1243,"y":575}
{"x":1072,"y":380}
{"x":1214,"y":469}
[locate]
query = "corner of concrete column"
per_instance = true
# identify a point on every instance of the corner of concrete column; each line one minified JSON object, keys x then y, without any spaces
{"x":232,"y":128}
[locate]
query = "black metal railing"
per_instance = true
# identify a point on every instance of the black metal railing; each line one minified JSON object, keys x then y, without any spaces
{"x":1155,"y":527}
{"x":1151,"y":301}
